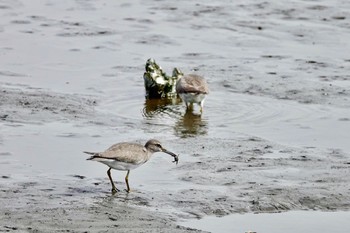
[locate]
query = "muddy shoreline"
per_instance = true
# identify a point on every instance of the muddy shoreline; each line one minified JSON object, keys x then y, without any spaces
{"x":273,"y":136}
{"x":47,"y":205}
{"x":222,"y":176}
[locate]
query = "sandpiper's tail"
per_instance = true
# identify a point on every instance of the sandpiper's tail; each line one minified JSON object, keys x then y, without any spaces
{"x":94,"y":154}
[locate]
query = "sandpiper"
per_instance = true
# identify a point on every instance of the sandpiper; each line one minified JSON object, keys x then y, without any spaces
{"x":192,"y":88}
{"x":126,"y":156}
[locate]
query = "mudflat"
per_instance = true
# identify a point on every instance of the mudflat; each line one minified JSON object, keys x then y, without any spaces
{"x":273,"y":135}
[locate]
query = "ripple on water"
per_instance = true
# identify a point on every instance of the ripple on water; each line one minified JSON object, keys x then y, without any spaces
{"x":160,"y":108}
{"x":238,"y":109}
{"x":225,"y":113}
{"x":282,"y":121}
{"x":158,"y":115}
{"x":184,"y":123}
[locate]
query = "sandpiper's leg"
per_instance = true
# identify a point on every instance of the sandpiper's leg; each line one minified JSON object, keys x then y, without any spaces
{"x":189,"y":106}
{"x":201,"y":104}
{"x":186,"y":105}
{"x":114,"y":189}
{"x":127,"y":181}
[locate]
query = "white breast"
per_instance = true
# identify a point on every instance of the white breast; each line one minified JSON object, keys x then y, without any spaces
{"x":117,"y":165}
{"x":192,"y":98}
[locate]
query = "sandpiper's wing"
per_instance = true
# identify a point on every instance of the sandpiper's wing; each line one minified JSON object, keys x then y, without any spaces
{"x":123,"y":152}
{"x":192,"y":83}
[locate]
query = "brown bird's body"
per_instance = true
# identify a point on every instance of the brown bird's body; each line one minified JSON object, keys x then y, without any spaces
{"x":127,"y":156}
{"x":192,"y":88}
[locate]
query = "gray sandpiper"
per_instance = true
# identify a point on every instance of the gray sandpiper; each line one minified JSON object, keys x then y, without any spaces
{"x":126,"y":156}
{"x":192,"y":88}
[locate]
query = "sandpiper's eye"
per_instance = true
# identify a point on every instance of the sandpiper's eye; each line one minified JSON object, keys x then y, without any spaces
{"x":158,"y":145}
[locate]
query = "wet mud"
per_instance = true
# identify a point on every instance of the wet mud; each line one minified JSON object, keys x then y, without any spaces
{"x":273,"y":135}
{"x":215,"y":176}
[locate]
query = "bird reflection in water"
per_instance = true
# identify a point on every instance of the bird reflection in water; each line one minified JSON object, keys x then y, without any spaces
{"x":189,"y":124}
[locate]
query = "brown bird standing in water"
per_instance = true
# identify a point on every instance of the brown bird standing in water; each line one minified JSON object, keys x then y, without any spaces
{"x":192,"y":88}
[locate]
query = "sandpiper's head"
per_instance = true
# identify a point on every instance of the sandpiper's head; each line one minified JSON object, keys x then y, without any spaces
{"x":154,"y":145}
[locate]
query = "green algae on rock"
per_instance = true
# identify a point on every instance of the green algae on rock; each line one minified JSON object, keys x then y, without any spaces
{"x":157,"y":83}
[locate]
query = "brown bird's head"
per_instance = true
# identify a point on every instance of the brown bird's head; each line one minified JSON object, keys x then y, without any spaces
{"x":154,"y":146}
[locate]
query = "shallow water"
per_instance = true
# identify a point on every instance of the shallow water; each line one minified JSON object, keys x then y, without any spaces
{"x":289,"y":222}
{"x":276,"y":71}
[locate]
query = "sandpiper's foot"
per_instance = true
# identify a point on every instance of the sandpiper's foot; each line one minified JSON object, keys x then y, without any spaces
{"x":114,"y":190}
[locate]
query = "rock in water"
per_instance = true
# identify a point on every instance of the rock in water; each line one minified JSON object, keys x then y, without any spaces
{"x":157,"y":83}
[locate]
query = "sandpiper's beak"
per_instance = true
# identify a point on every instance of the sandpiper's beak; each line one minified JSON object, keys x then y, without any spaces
{"x":176,"y":157}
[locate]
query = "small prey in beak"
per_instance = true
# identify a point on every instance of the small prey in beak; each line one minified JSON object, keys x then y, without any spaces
{"x":176,"y":157}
